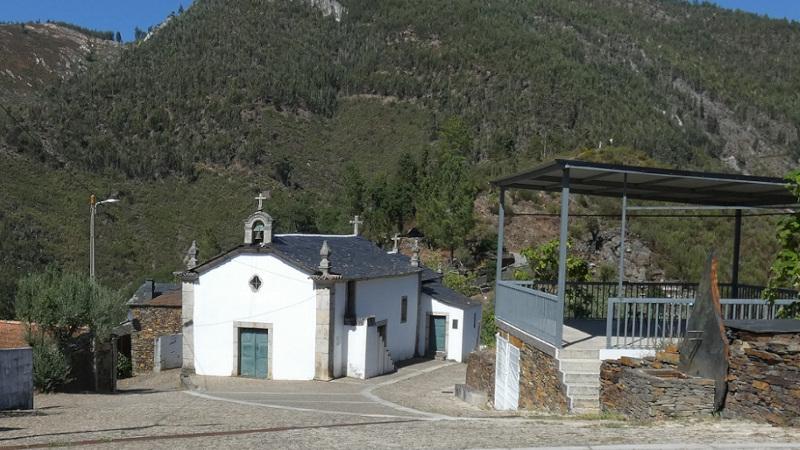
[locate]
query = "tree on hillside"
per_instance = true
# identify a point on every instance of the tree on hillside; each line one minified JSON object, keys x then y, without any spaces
{"x":354,"y":190}
{"x":404,"y":190}
{"x":118,"y":37}
{"x":445,"y":208}
{"x":785,"y":270}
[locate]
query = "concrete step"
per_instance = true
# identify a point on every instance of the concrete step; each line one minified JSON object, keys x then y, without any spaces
{"x":579,"y":353}
{"x":580,"y":365}
{"x":583,"y":389}
{"x":585,"y":403}
{"x":593,"y":397}
{"x":582,"y":378}
{"x":586,"y":411}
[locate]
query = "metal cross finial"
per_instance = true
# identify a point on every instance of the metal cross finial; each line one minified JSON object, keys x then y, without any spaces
{"x":356,"y":222}
{"x":261,"y":197}
{"x":396,"y":240}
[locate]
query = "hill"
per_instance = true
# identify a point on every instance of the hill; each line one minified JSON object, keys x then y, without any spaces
{"x":230,"y":98}
{"x":35,"y":55}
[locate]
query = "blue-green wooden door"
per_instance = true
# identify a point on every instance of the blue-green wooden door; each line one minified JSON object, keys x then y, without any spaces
{"x":253,"y":353}
{"x":438,"y":328}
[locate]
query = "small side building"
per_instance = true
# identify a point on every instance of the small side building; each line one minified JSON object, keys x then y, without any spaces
{"x":452,"y":320}
{"x":155,"y":312}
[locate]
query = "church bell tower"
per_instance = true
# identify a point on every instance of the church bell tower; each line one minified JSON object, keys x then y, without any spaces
{"x":258,"y":227}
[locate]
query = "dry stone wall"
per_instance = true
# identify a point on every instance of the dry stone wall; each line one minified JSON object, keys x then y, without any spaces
{"x":153,"y":322}
{"x":480,"y":371}
{"x":653,"y":389}
{"x":764,"y":377}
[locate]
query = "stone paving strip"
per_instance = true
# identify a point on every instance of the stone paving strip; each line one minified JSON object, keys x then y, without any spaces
{"x":424,"y":414}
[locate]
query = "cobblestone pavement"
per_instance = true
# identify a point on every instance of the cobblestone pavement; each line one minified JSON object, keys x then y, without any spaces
{"x":410,"y":409}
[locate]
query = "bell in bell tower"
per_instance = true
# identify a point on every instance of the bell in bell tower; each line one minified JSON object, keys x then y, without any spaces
{"x":258,"y":227}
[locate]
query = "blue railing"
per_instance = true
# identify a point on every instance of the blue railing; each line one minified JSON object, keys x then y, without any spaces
{"x":649,"y":323}
{"x":535,"y":312}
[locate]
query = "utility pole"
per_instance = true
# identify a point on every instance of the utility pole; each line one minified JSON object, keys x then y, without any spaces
{"x":93,"y":204}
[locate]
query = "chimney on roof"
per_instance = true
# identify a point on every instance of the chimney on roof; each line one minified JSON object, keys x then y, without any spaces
{"x":415,"y":253}
{"x":152,"y":284}
{"x":325,"y":264}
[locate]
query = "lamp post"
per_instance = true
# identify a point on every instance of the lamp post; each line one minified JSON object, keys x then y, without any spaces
{"x":93,"y":204}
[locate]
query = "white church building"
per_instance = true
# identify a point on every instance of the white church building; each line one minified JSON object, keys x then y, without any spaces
{"x":302,"y":307}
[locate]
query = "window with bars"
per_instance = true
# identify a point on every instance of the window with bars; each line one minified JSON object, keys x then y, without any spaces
{"x":403,"y":309}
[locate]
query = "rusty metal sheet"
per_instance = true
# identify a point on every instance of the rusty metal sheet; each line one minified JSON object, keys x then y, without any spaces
{"x":704,"y":350}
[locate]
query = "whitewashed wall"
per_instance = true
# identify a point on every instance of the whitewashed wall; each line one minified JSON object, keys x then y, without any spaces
{"x":471,"y":331}
{"x":286,"y":299}
{"x":339,"y":332}
{"x":355,"y":342}
{"x":382,"y":298}
{"x":461,"y":341}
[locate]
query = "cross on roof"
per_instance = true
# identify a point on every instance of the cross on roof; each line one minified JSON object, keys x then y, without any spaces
{"x":261,"y":197}
{"x":356,"y":222}
{"x":396,"y":240}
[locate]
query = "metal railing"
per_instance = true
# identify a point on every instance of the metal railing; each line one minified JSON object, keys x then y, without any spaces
{"x":589,"y":300}
{"x":534,"y":312}
{"x":649,"y":323}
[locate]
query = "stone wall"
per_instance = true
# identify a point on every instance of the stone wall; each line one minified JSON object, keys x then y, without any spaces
{"x":151,"y":322}
{"x":480,"y":371}
{"x":764,"y":377}
{"x":653,"y":389}
{"x":540,"y":386}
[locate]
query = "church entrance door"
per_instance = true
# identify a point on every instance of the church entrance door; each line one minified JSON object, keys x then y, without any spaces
{"x":253,"y":351}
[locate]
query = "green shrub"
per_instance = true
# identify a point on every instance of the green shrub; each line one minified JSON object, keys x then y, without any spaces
{"x":51,"y":368}
{"x":124,"y":366}
{"x":488,"y":325}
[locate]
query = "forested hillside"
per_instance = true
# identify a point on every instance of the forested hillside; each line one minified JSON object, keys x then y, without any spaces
{"x":233,"y":97}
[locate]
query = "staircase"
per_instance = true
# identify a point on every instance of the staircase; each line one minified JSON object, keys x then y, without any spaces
{"x":385,"y":362}
{"x":580,"y":373}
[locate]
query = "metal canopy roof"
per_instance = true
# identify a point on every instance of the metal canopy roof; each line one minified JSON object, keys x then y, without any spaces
{"x":648,"y":183}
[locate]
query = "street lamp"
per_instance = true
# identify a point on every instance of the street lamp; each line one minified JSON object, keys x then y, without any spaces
{"x":93,"y":204}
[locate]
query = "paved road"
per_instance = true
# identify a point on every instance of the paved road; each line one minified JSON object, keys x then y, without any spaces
{"x":410,"y":409}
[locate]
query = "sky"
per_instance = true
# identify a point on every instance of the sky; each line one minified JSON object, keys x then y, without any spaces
{"x":778,"y":9}
{"x":124,"y":15}
{"x":105,"y":15}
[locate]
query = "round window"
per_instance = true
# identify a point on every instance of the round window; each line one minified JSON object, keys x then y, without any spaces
{"x":255,"y":282}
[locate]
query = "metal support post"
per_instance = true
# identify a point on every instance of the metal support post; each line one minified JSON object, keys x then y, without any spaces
{"x":501,"y":216}
{"x":621,"y":274}
{"x":92,"y":210}
{"x":562,"y":254}
{"x":737,"y":241}
{"x":621,"y":269}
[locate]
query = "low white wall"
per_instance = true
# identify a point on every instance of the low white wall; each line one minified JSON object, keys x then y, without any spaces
{"x":381,"y":298}
{"x":167,"y":354}
{"x":286,"y":300}
{"x":355,"y":338}
{"x":471,"y":331}
{"x":617,"y":353}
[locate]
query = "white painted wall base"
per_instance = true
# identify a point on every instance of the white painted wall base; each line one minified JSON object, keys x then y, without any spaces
{"x":617,"y":353}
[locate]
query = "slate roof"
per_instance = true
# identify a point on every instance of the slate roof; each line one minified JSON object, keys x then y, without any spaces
{"x":152,"y":293}
{"x":352,"y":257}
{"x":440,"y":292}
